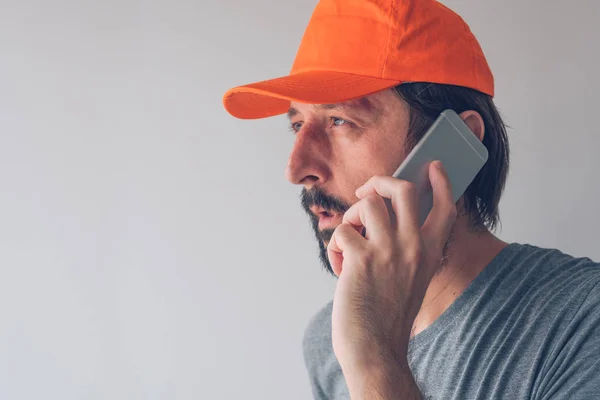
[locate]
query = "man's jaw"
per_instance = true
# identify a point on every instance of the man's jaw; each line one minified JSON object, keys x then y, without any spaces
{"x":326,"y":214}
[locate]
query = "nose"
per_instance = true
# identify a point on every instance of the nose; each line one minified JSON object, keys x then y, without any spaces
{"x":307,"y":163}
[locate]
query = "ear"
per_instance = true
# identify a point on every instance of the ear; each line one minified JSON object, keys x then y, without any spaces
{"x":474,"y":122}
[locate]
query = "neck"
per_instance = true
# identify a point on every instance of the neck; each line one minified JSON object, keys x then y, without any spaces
{"x":467,"y":255}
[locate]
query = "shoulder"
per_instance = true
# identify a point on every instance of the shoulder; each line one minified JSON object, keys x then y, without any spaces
{"x":553,"y":270}
{"x":558,"y":292}
{"x":541,"y":286}
{"x":571,"y":368}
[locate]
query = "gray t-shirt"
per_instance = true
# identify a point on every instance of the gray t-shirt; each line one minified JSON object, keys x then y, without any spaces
{"x":528,"y":327}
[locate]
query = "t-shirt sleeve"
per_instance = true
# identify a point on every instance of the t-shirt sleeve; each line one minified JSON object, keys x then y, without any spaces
{"x":575,"y":370}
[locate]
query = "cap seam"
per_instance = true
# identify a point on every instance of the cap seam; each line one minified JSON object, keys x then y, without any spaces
{"x":300,"y":71}
{"x":387,"y":44}
{"x":346,"y":16}
{"x":473,"y":54}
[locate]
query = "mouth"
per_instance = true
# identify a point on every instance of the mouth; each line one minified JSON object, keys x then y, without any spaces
{"x":326,"y":218}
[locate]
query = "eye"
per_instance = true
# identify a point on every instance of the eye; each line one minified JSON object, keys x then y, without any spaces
{"x":338,"y":121}
{"x":295,"y":127}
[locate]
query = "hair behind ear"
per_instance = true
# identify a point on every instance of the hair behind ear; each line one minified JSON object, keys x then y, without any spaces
{"x":426,"y":102}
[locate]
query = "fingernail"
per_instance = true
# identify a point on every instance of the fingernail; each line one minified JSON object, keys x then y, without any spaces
{"x":439,"y":165}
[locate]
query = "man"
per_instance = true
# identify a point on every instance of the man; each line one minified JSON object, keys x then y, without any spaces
{"x":444,"y":310}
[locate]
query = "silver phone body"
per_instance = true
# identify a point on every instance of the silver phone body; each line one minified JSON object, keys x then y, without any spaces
{"x":450,"y":141}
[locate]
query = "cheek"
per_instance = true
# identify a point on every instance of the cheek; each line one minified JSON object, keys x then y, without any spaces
{"x":391,"y":154}
{"x":382,"y":158}
{"x":356,"y":173}
{"x":379,"y":153}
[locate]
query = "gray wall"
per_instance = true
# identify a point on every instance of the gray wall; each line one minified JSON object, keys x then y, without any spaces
{"x":150,"y":247}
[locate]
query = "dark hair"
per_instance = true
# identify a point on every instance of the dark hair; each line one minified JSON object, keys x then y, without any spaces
{"x":427,"y":101}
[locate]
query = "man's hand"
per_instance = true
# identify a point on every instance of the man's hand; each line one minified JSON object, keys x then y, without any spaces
{"x":383,"y":278}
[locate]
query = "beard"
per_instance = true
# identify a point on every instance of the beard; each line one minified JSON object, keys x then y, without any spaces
{"x":316,"y":197}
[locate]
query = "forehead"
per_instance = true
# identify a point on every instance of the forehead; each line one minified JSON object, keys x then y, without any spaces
{"x":366,"y":106}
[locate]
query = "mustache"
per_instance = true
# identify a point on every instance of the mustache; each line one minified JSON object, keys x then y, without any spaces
{"x":317,"y":197}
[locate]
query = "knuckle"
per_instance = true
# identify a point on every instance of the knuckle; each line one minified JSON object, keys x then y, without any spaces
{"x":413,"y":255}
{"x":387,"y":255}
{"x":372,"y":181}
{"x":406,"y":187}
{"x":373,"y":200}
{"x":342,"y":229}
{"x":350,"y":211}
{"x":337,"y":232}
{"x":372,"y":203}
{"x":387,"y":249}
{"x":355,"y":207}
{"x":348,"y":230}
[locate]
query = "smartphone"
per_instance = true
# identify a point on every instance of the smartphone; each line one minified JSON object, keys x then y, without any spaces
{"x":450,"y":141}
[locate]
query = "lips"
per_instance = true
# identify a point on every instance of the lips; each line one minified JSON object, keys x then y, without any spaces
{"x":326,"y":218}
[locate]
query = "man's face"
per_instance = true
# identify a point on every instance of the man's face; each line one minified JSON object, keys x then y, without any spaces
{"x":338,"y":148}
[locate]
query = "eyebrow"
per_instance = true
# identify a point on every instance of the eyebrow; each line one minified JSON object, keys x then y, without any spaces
{"x":363,"y":105}
{"x":292,"y":112}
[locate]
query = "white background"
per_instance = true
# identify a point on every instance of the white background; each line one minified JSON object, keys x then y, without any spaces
{"x":150,"y":247}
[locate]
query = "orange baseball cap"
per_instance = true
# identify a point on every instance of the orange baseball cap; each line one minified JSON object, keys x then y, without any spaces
{"x":353,"y":48}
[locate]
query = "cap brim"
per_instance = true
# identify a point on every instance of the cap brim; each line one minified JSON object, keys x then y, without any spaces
{"x":273,"y":97}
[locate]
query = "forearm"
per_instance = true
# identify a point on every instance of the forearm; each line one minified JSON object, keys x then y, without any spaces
{"x":383,"y":381}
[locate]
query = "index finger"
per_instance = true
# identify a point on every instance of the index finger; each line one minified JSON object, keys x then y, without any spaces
{"x":403,"y":196}
{"x":371,"y":213}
